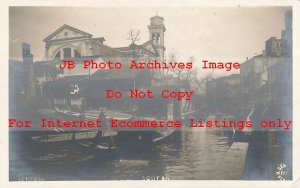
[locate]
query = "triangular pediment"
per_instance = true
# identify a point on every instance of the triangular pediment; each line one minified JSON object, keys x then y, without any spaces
{"x":66,"y":32}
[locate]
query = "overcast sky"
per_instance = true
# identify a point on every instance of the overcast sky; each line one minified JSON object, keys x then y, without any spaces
{"x":212,"y":33}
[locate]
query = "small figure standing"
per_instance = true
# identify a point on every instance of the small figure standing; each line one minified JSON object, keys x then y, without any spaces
{"x":103,"y":119}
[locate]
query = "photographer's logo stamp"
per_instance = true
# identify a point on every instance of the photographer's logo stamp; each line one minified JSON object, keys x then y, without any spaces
{"x":282,"y":172}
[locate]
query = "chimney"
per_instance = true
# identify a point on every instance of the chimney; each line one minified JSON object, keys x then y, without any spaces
{"x":26,"y":52}
{"x":30,"y":76}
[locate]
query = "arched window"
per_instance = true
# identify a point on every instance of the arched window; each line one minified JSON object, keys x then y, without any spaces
{"x":57,"y":56}
{"x":67,"y":53}
{"x":76,"y":53}
{"x":156,"y":38}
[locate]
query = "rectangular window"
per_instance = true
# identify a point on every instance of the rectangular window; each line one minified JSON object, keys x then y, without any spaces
{"x":67,"y":52}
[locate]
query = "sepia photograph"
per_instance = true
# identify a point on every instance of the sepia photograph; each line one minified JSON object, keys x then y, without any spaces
{"x":150,"y":93}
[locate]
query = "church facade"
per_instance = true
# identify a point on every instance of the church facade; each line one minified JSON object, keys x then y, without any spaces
{"x":69,"y":42}
{"x":69,"y":86}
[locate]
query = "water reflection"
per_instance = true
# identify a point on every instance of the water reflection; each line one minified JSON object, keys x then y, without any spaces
{"x":186,"y":155}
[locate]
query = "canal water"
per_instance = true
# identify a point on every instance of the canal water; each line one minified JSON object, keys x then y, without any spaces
{"x":189,"y":155}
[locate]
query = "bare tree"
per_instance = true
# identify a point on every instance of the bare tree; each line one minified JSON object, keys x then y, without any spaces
{"x":133,"y":35}
{"x":188,"y":79}
{"x":188,"y":74}
{"x":176,"y":72}
{"x":192,"y":80}
{"x":202,"y":81}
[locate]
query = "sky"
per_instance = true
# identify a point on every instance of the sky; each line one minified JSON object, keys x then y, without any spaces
{"x":226,"y":34}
